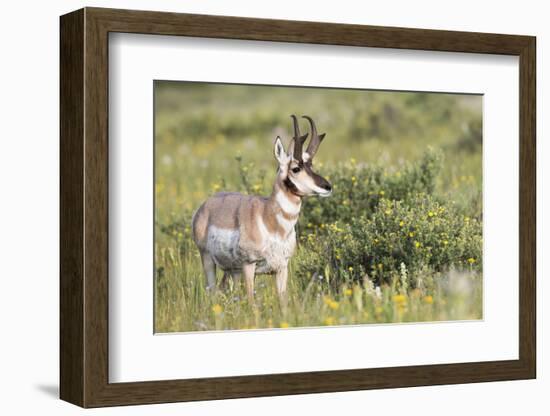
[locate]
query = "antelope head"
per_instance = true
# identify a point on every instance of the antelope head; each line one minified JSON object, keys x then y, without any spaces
{"x":296,"y":165}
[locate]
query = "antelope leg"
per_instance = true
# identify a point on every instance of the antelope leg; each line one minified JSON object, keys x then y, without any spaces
{"x":209,"y":270}
{"x":225,"y":280}
{"x":281,"y":279}
{"x":248,"y":273}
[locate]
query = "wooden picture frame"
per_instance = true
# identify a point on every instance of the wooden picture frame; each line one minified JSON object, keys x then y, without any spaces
{"x":84,"y":207}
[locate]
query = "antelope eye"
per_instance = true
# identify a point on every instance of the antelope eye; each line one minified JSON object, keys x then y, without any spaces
{"x":296,"y":169}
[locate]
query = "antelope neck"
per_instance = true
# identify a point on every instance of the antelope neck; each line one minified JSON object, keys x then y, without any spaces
{"x":288,"y":202}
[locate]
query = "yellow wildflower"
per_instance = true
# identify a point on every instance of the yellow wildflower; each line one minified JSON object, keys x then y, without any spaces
{"x":329,"y":321}
{"x":471,"y":260}
{"x":399,"y":299}
{"x":382,"y":193}
{"x":428,"y":299}
{"x":217,"y":309}
{"x":348,"y":292}
{"x":416,"y":244}
{"x":401,"y":223}
{"x":350,"y":268}
{"x":284,"y":324}
{"x":411,"y":234}
{"x":333,"y":305}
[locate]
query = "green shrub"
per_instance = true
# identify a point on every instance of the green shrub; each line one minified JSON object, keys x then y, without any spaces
{"x":359,"y":188}
{"x":421,"y":234}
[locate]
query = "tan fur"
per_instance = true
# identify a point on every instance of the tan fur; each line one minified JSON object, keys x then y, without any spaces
{"x":246,"y":234}
{"x":240,"y":213}
{"x":232,"y":210}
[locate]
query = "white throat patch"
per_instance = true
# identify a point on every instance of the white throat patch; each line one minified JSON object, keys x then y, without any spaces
{"x":286,"y":204}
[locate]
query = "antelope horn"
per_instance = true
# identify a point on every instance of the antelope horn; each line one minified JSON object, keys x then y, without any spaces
{"x":316,"y":139}
{"x":299,"y":140}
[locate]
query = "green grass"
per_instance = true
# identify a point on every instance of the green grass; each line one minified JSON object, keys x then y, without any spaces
{"x":401,"y":164}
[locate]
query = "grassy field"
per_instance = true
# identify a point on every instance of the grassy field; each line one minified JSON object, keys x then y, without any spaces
{"x":400,"y":239}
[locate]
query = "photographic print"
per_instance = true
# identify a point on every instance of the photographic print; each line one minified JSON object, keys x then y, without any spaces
{"x":287,"y":207}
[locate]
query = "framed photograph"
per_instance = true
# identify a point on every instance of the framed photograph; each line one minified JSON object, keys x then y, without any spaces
{"x":255,"y":207}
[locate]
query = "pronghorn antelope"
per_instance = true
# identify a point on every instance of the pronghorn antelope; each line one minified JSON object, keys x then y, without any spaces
{"x":248,"y":235}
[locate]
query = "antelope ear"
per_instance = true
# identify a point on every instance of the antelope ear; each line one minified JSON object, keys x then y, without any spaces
{"x":279,"y":151}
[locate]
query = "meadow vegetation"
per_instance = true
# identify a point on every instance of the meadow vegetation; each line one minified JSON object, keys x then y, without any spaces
{"x":399,"y":240}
